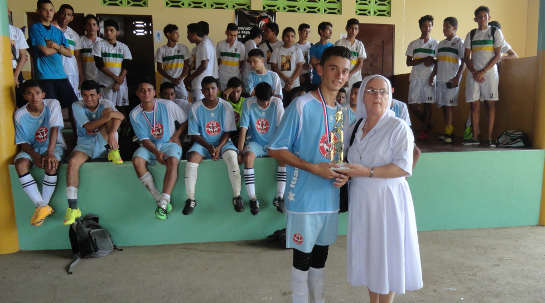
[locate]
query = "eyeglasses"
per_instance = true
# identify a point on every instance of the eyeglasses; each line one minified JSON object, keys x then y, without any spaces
{"x":373,"y":91}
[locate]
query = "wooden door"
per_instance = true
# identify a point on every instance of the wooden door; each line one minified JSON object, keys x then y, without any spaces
{"x":378,"y":40}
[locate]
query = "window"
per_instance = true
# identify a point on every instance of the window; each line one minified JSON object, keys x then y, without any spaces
{"x":332,"y":7}
{"x":212,"y":4}
{"x":135,"y":3}
{"x":374,"y":8}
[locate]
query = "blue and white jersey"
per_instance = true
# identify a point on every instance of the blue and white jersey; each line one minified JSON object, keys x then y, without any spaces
{"x":211,"y":123}
{"x":270,"y":77}
{"x":164,"y":115}
{"x":35,"y":130}
{"x":401,"y":111}
{"x":303,"y":132}
{"x":83,"y":115}
{"x":261,"y":123}
{"x":349,"y":115}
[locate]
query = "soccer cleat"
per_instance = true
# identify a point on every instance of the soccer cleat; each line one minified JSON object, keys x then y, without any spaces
{"x":160,"y":213}
{"x":471,"y":142}
{"x":40,"y":214}
{"x":468,"y":134}
{"x":189,"y":206}
{"x":169,"y":208}
{"x":441,"y":138}
{"x":279,"y":203}
{"x":490,"y":143}
{"x":114,"y":156}
{"x":423,"y":136}
{"x":254,"y":207}
{"x":448,"y":138}
{"x":71,"y":215}
{"x":237,"y":203}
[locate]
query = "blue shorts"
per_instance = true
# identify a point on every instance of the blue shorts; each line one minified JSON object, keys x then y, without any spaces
{"x":303,"y":231}
{"x":171,"y":149}
{"x":258,"y":150}
{"x":94,"y":147}
{"x":59,"y":152}
{"x":59,"y":89}
{"x":204,"y":152}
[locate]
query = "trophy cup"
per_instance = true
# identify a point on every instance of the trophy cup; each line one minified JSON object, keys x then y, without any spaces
{"x":336,"y":136}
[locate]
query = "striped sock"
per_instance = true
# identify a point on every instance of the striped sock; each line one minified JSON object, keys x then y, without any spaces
{"x":31,"y":189}
{"x":249,"y":178}
{"x":280,"y":181}
{"x":48,"y":187}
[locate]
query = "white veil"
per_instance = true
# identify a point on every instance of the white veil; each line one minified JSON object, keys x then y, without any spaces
{"x":360,"y":111}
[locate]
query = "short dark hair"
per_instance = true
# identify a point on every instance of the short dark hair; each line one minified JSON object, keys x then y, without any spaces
{"x":352,"y":21}
{"x":322,"y":26}
{"x":231,"y":27}
{"x":209,"y":80}
{"x":169,"y":29}
{"x":254,"y":33}
{"x":144,"y":80}
{"x":482,"y":8}
{"x":256,"y":52}
{"x":33,"y":83}
{"x":339,"y":51}
{"x":298,"y":89}
{"x":40,"y":2}
{"x":195,"y":28}
{"x":234,"y":82}
{"x":273,"y":27}
{"x":205,"y":27}
{"x":342,"y":90}
{"x":424,"y":19}
{"x":303,"y":26}
{"x":356,"y":85}
{"x":68,"y":6}
{"x":166,"y":85}
{"x":288,"y":30}
{"x":111,"y":23}
{"x":90,"y":85}
{"x":452,"y":20}
{"x":495,"y":24}
{"x":263,"y":91}
{"x":89,"y":17}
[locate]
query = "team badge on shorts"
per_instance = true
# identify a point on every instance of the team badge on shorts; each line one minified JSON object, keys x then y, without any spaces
{"x":262,"y":125}
{"x":213,"y":128}
{"x":41,"y":134}
{"x":325,"y":145}
{"x":298,"y":239}
{"x":157,"y":133}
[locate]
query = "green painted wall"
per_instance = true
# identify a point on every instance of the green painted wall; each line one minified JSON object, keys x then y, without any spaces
{"x":450,"y":191}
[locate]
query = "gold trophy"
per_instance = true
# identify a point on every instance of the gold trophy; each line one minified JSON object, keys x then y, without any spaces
{"x":336,"y":150}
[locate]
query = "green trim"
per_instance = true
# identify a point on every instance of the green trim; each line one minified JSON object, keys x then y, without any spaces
{"x":424,"y":50}
{"x":355,"y":54}
{"x":85,"y":50}
{"x":71,"y":42}
{"x":170,"y":58}
{"x":228,"y":54}
{"x":448,"y":50}
{"x":483,"y":42}
{"x":110,"y":55}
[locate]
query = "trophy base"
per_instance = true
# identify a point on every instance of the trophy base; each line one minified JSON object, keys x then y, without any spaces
{"x":341,"y":168}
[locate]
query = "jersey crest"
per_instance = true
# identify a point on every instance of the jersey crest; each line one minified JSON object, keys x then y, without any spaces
{"x":157,"y":133}
{"x":262,"y":125}
{"x":237,"y":117}
{"x":325,"y":146}
{"x":93,"y":132}
{"x":41,"y":134}
{"x":213,"y":128}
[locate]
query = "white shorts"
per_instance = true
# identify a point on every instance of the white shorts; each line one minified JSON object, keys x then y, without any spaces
{"x":196,"y":95}
{"x":421,"y":92}
{"x":181,"y":91}
{"x":74,"y":81}
{"x":483,"y":91}
{"x":223,"y":85}
{"x":119,"y":98}
{"x":446,"y":96}
{"x":303,"y":231}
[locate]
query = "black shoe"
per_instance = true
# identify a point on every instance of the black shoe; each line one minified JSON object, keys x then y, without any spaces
{"x":279,"y":203}
{"x":237,"y":203}
{"x":448,"y":138}
{"x":254,"y":207}
{"x":471,"y":142}
{"x":490,"y":143}
{"x":189,"y":206}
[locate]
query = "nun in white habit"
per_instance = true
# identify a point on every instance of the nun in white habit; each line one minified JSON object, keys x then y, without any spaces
{"x":383,"y":252}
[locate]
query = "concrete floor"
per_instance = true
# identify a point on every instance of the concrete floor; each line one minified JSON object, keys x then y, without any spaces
{"x":481,"y":265}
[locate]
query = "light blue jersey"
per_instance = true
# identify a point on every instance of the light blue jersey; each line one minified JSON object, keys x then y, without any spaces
{"x":261,"y":123}
{"x":35,"y":130}
{"x":83,"y":115}
{"x":269,"y":77}
{"x":348,"y":113}
{"x":165,"y":114}
{"x":401,"y":111}
{"x":211,"y":123}
{"x":303,"y":132}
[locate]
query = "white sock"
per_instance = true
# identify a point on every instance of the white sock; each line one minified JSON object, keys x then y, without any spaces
{"x":191,"y":170}
{"x":316,"y":285}
{"x":31,"y":189}
{"x":149,"y":184}
{"x":231,"y":160}
{"x":48,"y":187}
{"x":163,"y":201}
{"x":299,"y":287}
{"x":72,"y":196}
{"x":249,"y":178}
{"x":468,"y":122}
{"x":280,"y":181}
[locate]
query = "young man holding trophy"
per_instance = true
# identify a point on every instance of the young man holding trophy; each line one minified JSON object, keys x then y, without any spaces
{"x":303,"y":142}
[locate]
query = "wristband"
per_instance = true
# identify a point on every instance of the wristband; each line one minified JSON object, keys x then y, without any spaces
{"x":371,"y":173}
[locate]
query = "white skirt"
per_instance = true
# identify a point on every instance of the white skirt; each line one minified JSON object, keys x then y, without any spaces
{"x":383,"y":251}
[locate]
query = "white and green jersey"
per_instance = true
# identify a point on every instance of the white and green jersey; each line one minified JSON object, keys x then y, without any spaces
{"x":87,"y":59}
{"x":449,"y":58}
{"x":70,"y":65}
{"x":419,"y":49}
{"x":113,"y":56}
{"x":482,"y":46}
{"x":229,"y":59}
{"x":357,"y":51}
{"x":172,"y":59}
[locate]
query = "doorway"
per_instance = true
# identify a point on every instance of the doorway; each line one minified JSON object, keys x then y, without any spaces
{"x":378,"y":40}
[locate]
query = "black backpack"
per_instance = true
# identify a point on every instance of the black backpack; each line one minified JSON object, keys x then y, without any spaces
{"x":343,"y":198}
{"x":513,"y":138}
{"x":89,"y":240}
